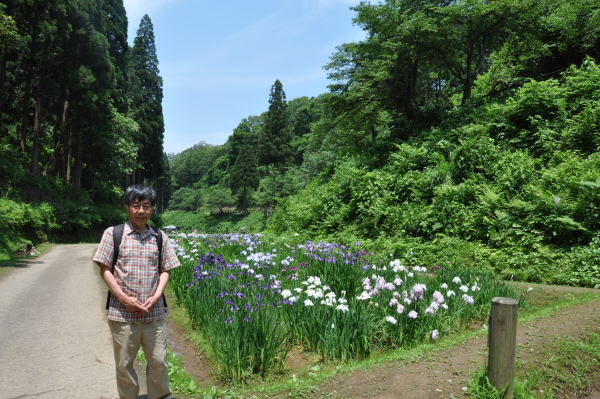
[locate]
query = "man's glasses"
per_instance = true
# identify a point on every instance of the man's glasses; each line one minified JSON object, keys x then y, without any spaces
{"x":145,"y":207}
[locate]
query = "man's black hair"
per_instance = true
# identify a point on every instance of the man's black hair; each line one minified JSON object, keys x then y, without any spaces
{"x":139,"y":192}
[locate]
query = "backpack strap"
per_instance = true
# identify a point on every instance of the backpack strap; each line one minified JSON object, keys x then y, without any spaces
{"x":117,"y":238}
{"x":159,"y":243}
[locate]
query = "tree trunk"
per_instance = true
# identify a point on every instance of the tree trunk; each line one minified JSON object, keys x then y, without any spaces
{"x":35,"y":150}
{"x":469,"y":78}
{"x":3,"y":62}
{"x":29,"y":78}
{"x":245,"y":201}
{"x":374,"y":135}
{"x":78,"y":164}
{"x":60,"y":128}
{"x":68,"y":157}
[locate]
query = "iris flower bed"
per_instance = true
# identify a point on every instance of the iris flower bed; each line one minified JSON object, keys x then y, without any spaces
{"x":254,"y":300}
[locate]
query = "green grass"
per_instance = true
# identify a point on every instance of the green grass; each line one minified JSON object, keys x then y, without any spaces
{"x":180,"y":381}
{"x":9,"y":263}
{"x":564,"y":367}
{"x":209,"y":223}
{"x":306,"y":382}
{"x":481,"y":387}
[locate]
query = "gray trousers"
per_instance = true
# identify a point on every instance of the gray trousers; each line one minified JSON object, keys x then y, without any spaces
{"x":127,"y":339}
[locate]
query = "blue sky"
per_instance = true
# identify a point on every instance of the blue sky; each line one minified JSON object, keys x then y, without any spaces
{"x":219,"y":59}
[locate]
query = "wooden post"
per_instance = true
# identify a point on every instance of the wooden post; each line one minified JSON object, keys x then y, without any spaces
{"x":502,"y":341}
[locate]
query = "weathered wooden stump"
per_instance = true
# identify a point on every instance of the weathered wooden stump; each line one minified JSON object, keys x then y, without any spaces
{"x":502,"y":341}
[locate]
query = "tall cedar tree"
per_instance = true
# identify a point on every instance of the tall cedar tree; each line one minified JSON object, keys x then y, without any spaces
{"x":147,"y":97}
{"x":244,"y":176}
{"x":243,"y":162}
{"x":64,"y":99}
{"x":57,"y":81}
{"x":116,"y":33}
{"x":88,"y":89}
{"x":276,"y":137}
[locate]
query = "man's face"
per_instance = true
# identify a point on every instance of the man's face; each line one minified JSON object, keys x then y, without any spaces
{"x":139,"y":212}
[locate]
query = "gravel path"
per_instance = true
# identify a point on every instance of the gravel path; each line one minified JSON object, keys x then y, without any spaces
{"x":55,"y":341}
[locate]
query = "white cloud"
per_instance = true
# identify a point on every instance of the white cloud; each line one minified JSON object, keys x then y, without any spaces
{"x":137,"y":8}
{"x":143,"y":6}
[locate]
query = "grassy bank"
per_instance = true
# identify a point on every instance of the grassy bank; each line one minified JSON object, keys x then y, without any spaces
{"x":215,"y":223}
{"x":25,"y":225}
{"x":577,"y":265}
{"x":567,"y":367}
{"x":9,"y":263}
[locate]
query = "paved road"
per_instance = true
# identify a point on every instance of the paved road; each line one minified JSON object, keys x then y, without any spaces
{"x":54,"y":339}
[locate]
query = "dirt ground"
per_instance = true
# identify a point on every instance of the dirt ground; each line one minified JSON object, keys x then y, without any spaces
{"x":447,"y":373}
{"x":441,"y":374}
{"x":195,"y":362}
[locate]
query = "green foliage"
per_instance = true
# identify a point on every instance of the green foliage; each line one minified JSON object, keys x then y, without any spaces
{"x":123,"y":132}
{"x":77,"y":219}
{"x":571,"y":362}
{"x":179,"y":380}
{"x":244,"y":176}
{"x":72,"y":130}
{"x":507,"y":185}
{"x":322,"y":208}
{"x":481,"y":388}
{"x":217,"y":197}
{"x":193,"y":164}
{"x":185,"y":199}
{"x":24,"y":221}
{"x":276,"y":136}
{"x":464,"y":131}
{"x":66,"y":220}
{"x":581,"y":265}
{"x":8,"y":30}
{"x":276,"y":185}
{"x":187,"y":221}
{"x":147,"y":95}
{"x":225,"y":222}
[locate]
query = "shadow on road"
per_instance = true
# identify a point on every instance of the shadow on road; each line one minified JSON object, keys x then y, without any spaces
{"x":19,"y":263}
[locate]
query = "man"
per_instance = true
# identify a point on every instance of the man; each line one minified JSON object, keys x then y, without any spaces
{"x":136,"y":306}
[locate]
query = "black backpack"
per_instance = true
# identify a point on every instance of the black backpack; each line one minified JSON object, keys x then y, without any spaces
{"x":117,"y":238}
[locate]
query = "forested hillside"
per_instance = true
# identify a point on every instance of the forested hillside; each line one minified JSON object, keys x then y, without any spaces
{"x":455,"y":132}
{"x":80,"y":116}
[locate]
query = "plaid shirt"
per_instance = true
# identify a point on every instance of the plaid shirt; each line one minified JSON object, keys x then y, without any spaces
{"x":136,"y":270}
